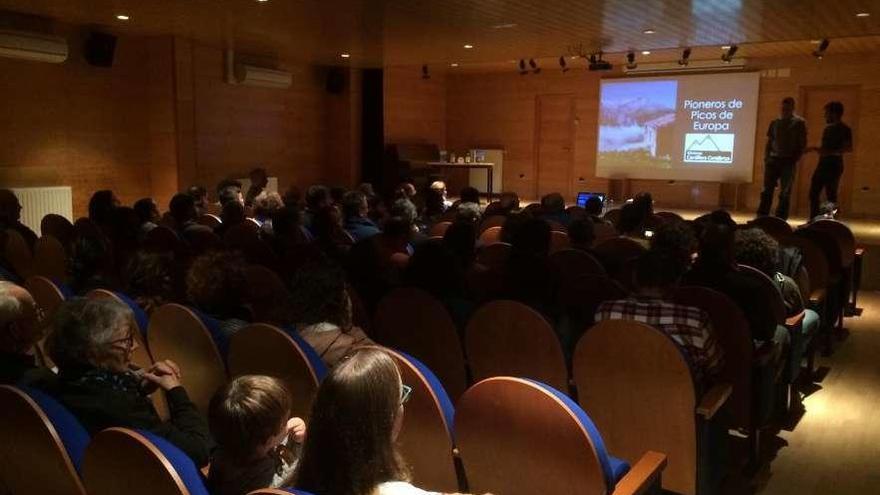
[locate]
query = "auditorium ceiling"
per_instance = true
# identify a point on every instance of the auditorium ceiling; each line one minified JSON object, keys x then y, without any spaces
{"x":404,"y":32}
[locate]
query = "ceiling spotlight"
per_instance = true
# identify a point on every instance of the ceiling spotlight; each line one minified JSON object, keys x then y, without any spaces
{"x":648,"y":31}
{"x":631,"y":60}
{"x":646,"y":52}
{"x":345,"y":55}
{"x":596,"y":62}
{"x":425,"y":74}
{"x":534,"y":66}
{"x":563,"y":64}
{"x":819,"y":52}
{"x":863,"y":14}
{"x":508,"y":25}
{"x":522,"y":67}
{"x":685,"y":56}
{"x":262,"y":1}
{"x":453,"y":64}
{"x":468,"y":46}
{"x":122,"y":17}
{"x":727,"y":56}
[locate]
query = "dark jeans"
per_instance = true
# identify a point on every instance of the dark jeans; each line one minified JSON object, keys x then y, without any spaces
{"x":777,"y":169}
{"x":827,"y":176}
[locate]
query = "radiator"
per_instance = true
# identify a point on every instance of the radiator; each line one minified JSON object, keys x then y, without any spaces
{"x":37,"y":202}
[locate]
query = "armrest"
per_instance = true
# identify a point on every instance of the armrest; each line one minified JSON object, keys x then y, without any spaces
{"x":643,"y":475}
{"x":713,"y":400}
{"x":795,"y":320}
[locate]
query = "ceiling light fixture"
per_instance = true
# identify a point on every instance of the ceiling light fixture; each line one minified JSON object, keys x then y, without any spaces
{"x":649,"y":31}
{"x":468,"y":46}
{"x":262,"y":1}
{"x":725,"y":47}
{"x":685,"y":57}
{"x":646,"y":52}
{"x":122,"y":17}
{"x":819,"y":52}
{"x":508,"y":25}
{"x":597,"y":63}
{"x":534,"y":66}
{"x":727,"y":56}
{"x":425,"y":73}
{"x":345,"y":55}
{"x":631,"y":60}
{"x":453,"y":64}
{"x":563,"y":64}
{"x":863,"y":14}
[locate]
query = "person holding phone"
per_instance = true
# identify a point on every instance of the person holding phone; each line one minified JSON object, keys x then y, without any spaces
{"x":836,"y":140}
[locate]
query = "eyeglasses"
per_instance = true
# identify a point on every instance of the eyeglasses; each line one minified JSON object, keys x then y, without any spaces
{"x":405,"y":392}
{"x":127,"y":341}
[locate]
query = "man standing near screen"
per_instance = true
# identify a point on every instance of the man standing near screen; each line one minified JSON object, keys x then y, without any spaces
{"x":836,"y":140}
{"x":786,"y":142}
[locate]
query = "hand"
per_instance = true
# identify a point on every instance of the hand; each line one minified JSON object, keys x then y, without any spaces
{"x":296,"y":428}
{"x":165,"y":374}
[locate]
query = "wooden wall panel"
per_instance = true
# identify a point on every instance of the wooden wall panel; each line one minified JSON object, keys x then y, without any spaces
{"x":415,"y":108}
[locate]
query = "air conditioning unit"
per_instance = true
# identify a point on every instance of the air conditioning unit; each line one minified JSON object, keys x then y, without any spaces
{"x":692,"y":66}
{"x":251,"y":75}
{"x":33,"y":46}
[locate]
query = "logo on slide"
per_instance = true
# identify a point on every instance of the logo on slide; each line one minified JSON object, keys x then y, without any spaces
{"x":708,"y":148}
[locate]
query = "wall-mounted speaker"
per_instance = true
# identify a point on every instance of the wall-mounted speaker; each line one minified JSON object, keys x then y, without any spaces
{"x":336,"y":80}
{"x":100,"y":48}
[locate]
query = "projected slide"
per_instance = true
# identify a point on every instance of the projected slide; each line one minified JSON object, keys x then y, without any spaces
{"x":698,"y":127}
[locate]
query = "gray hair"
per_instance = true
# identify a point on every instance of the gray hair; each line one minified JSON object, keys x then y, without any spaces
{"x":405,"y":209}
{"x":11,"y":309}
{"x":469,"y":211}
{"x":83,"y":329}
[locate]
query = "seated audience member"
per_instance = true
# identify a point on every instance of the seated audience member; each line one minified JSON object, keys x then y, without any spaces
{"x":632,"y":224}
{"x":406,"y":190}
{"x":553,"y":206}
{"x":233,"y":214}
{"x":656,"y":275}
{"x":317,"y":197}
{"x":468,"y":195}
{"x":594,"y":209}
{"x":258,"y":443}
{"x":101,"y":205}
{"x":529,"y":277}
{"x":123,"y":230}
{"x":379,"y":213}
{"x":438,"y":187}
{"x":321,"y":310}
{"x":677,"y":240}
{"x":405,"y":209}
{"x":91,"y":263}
{"x":435,"y":269}
{"x":355,"y":210}
{"x":92,"y":342}
{"x":434,"y":208}
{"x":182,"y":209}
{"x":265,"y":207}
{"x":716,"y":268}
{"x":367,"y":190}
{"x":292,"y":196}
{"x":755,"y":248}
{"x":10,"y":217}
{"x":288,"y":230}
{"x":645,"y":202}
{"x":150,"y":280}
{"x":200,"y":199}
{"x":351,"y":447}
{"x":216,"y":285}
{"x":506,"y":205}
{"x":336,"y":195}
{"x":461,"y":240}
{"x":581,"y":234}
{"x":20,"y":330}
{"x":512,"y":225}
{"x":148,"y":215}
{"x":330,"y":237}
{"x":229,"y":190}
{"x":468,"y":212}
{"x":259,"y":181}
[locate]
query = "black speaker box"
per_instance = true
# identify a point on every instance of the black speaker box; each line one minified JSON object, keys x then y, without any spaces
{"x":336,"y":81}
{"x":100,"y":48}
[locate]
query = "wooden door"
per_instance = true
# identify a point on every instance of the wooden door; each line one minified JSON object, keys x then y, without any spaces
{"x":812,"y":107}
{"x":555,"y":137}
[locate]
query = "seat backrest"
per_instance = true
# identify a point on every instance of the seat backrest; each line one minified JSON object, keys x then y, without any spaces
{"x":179,"y":334}
{"x":828,"y":244}
{"x":501,"y":421}
{"x":492,"y":221}
{"x":604,"y":231}
{"x":210,"y":220}
{"x":774,"y":226}
{"x":262,"y":349}
{"x":120,"y":460}
{"x":769,"y":290}
{"x":412,"y":321}
{"x":163,"y":239}
{"x":508,"y":338}
{"x":50,"y":259}
{"x":494,"y":256}
{"x":426,"y":440}
{"x":33,"y":449}
{"x":278,"y":491}
{"x":731,"y":329}
{"x":842,"y":234}
{"x":46,"y":293}
{"x":56,"y":226}
{"x":814,"y":260}
{"x":612,"y":216}
{"x":18,"y":254}
{"x":617,"y":256}
{"x":439,"y":229}
{"x":558,"y":241}
{"x":574,"y":263}
{"x":203,"y":240}
{"x":668,"y":216}
{"x":491,"y":235}
{"x":266,"y":291}
{"x":636,"y":385}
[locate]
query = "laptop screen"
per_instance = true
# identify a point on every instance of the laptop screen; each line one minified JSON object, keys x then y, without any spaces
{"x":582,"y":198}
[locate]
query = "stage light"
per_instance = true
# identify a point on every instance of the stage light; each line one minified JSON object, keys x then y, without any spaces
{"x":425,"y":73}
{"x":729,"y":54}
{"x":649,"y":31}
{"x":345,"y":55}
{"x":534,"y":66}
{"x":453,"y":64}
{"x":819,"y":52}
{"x":122,"y":17}
{"x":863,"y":14}
{"x":631,"y":60}
{"x":646,"y":52}
{"x":563,"y":64}
{"x":468,"y":46}
{"x":685,"y":56}
{"x":597,"y":64}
